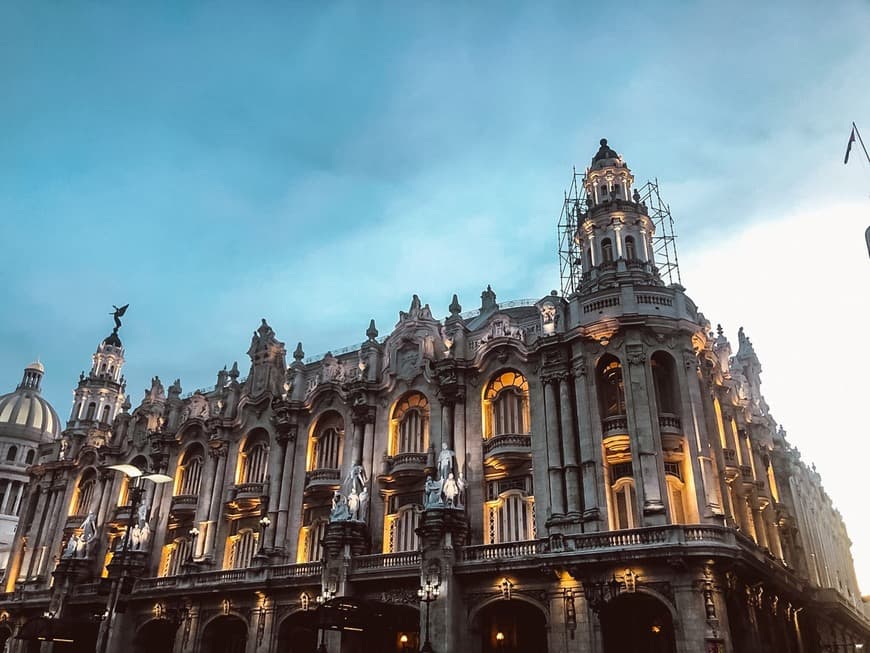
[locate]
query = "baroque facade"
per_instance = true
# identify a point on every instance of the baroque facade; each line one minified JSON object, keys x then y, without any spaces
{"x":591,"y":471}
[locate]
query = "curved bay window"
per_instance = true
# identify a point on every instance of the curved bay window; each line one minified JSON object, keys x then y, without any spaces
{"x":189,"y":474}
{"x":254,"y":459}
{"x":84,"y":494}
{"x":623,"y":497}
{"x":506,"y":405}
{"x":400,"y":527}
{"x":410,"y":425}
{"x":611,"y":387}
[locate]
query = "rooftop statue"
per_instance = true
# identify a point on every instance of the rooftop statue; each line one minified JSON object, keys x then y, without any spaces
{"x":118,"y":314}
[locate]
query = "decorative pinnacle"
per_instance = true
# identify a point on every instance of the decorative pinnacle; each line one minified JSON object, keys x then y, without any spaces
{"x":455,"y":307}
{"x":298,"y":354}
{"x":372,"y":331}
{"x":719,"y":330}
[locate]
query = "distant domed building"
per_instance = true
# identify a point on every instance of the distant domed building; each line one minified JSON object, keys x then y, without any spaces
{"x":26,"y":420}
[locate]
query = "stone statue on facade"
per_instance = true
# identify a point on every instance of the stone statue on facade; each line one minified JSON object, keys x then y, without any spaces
{"x":432,"y":497}
{"x":340,"y":510}
{"x":72,"y":546}
{"x":446,"y":461}
{"x":118,"y":314}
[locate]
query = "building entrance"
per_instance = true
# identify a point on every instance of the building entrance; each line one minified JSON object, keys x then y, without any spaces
{"x":513,"y":626}
{"x":638,"y":623}
{"x":226,"y":634}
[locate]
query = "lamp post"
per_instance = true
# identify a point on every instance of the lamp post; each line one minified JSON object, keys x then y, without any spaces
{"x":194,"y":533}
{"x":428,"y":593}
{"x":265,"y":522}
{"x":136,"y":491}
{"x":327,"y":595}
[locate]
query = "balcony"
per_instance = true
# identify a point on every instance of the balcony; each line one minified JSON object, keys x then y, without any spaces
{"x":121,"y":514}
{"x":306,"y":572}
{"x":615,"y":425}
{"x":670,"y":424}
{"x":184,"y":504}
{"x":321,"y":480}
{"x":380,"y":565}
{"x":407,"y":464}
{"x":249,"y":490}
{"x":507,"y":448}
{"x":732,"y":468}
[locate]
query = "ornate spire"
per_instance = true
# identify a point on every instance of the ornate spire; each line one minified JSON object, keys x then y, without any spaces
{"x":372,"y":331}
{"x":298,"y":354}
{"x":455,"y":307}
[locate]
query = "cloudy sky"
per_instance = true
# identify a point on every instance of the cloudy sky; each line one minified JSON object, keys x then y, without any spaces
{"x":212,"y":166}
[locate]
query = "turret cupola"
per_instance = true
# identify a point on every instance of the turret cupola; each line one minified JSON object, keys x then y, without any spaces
{"x":614,"y":235}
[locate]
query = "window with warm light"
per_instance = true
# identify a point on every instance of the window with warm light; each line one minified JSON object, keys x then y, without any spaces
{"x":241,"y":548}
{"x":400,"y":527}
{"x":510,"y":518}
{"x":84,"y":493}
{"x":410,"y":425}
{"x":189,"y":474}
{"x":623,"y":497}
{"x":611,"y":388}
{"x":310,"y":537}
{"x":254,"y":459}
{"x":506,"y":405}
{"x":327,"y":443}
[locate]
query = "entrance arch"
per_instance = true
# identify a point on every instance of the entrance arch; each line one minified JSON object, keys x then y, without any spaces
{"x":298,"y":633}
{"x":639,"y":623}
{"x":155,"y":636}
{"x":5,"y":636}
{"x":226,"y":634}
{"x":514,"y":626}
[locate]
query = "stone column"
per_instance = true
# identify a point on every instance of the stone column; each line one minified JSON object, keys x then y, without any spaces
{"x":358,"y":437}
{"x":288,"y":444}
{"x":276,"y":467}
{"x":45,"y":534}
{"x":589,"y":420}
{"x":569,"y":443}
{"x":554,"y":449}
{"x":214,"y":511}
{"x":644,"y":453}
{"x":203,"y":505}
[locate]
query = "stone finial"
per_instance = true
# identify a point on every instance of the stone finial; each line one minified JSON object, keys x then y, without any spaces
{"x":298,"y":354}
{"x":234,"y":371}
{"x":719,"y":331}
{"x":487,"y":299}
{"x":372,"y":331}
{"x":455,"y":308}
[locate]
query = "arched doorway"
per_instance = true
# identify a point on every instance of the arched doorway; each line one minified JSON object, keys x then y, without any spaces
{"x":298,"y":633}
{"x":639,"y":623}
{"x":513,"y":626}
{"x":156,"y":636}
{"x":226,"y":634}
{"x":5,"y":636}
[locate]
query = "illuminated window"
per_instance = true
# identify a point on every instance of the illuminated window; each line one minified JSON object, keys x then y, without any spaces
{"x":401,"y":529}
{"x":510,"y":518}
{"x":624,"y":502}
{"x":309,"y":540}
{"x":254,"y":460}
{"x":175,"y":554}
{"x":327,"y":449}
{"x":506,"y":405}
{"x":189,"y":476}
{"x":84,"y":493}
{"x":675,"y":498}
{"x":241,"y":549}
{"x":611,"y":389}
{"x":411,"y":425}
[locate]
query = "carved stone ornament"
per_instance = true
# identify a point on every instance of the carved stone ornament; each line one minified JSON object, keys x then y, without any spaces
{"x":635,"y":354}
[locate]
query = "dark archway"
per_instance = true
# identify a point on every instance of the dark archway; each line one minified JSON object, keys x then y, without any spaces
{"x":226,"y":634}
{"x":638,"y":623}
{"x":369,"y":626}
{"x":156,"y":636}
{"x":5,"y":636}
{"x":298,"y":633}
{"x":511,"y":627}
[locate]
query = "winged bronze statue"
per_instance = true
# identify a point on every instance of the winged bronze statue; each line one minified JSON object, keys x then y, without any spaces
{"x":119,"y":312}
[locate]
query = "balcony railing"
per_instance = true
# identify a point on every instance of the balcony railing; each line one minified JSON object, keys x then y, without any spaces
{"x":670,"y":423}
{"x":507,"y":442}
{"x":297,"y":570}
{"x":409,"y":462}
{"x":502,"y":550}
{"x":614,"y":425}
{"x":388,"y":560}
{"x":249,"y":490}
{"x":184,"y":503}
{"x":324,"y":476}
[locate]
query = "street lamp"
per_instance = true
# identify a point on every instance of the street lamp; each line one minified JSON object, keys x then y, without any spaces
{"x":135,"y":492}
{"x":427,"y":594}
{"x":194,"y":533}
{"x":265,"y":522}
{"x":327,"y":595}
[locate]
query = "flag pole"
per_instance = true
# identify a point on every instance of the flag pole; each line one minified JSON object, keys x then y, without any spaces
{"x":861,"y":140}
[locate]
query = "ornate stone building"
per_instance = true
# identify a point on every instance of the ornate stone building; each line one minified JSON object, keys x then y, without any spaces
{"x":594,"y":470}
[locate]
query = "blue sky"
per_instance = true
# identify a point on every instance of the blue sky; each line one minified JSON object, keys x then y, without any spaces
{"x":212,"y":165}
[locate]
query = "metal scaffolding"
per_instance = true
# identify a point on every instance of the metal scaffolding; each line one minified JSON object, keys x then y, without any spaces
{"x":574,"y":208}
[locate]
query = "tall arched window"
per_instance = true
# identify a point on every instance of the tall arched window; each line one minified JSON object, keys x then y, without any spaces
{"x":665,"y":382}
{"x":624,"y":504}
{"x":506,"y":405}
{"x":189,"y":475}
{"x":630,"y":248}
{"x":607,"y":250}
{"x":510,"y":518}
{"x":12,"y":454}
{"x":401,"y":529}
{"x":175,"y":554}
{"x":611,"y":388}
{"x":31,"y":454}
{"x":241,"y":548}
{"x":105,"y":418}
{"x":327,"y":445}
{"x":411,"y":425}
{"x":92,"y":410}
{"x":84,"y":493}
{"x":254,"y":459}
{"x":676,"y":495}
{"x":309,"y":540}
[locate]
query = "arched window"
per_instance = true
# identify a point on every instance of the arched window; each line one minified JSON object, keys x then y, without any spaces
{"x":607,"y":250}
{"x":676,"y":497}
{"x":241,"y":549}
{"x":411,"y":425}
{"x":254,"y":459}
{"x":611,"y":388}
{"x":326,"y":452}
{"x":630,"y":249}
{"x":401,"y":529}
{"x":31,"y":454}
{"x":12,"y":454}
{"x":624,"y":503}
{"x":589,"y":257}
{"x":175,"y":554}
{"x":309,"y":540}
{"x":617,"y":190}
{"x":105,"y":417}
{"x":189,"y":475}
{"x":665,"y":382}
{"x":92,"y":410}
{"x":84,"y":493}
{"x":506,"y":405}
{"x":510,"y":518}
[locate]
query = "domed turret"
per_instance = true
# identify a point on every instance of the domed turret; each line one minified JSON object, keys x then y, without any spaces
{"x":25,"y":413}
